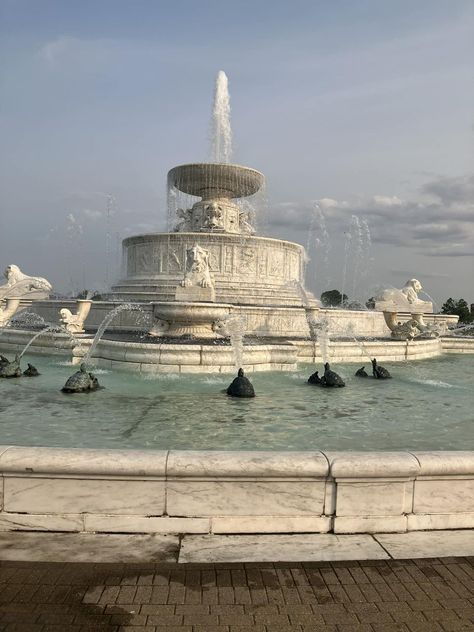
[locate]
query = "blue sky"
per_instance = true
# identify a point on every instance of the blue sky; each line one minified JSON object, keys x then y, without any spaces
{"x":366,"y":105}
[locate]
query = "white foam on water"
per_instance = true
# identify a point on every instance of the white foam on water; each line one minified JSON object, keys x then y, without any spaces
{"x":161,"y":376}
{"x":437,"y":383}
{"x":215,"y":380}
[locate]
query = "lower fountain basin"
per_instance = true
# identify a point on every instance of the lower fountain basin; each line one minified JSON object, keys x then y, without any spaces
{"x":426,"y":406}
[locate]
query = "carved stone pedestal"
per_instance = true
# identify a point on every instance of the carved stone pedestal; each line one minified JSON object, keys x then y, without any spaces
{"x":184,"y":319}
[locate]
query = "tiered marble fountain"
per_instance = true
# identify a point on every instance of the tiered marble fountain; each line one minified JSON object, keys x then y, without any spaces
{"x":212,"y":275}
{"x":235,"y":266}
{"x":211,"y":281}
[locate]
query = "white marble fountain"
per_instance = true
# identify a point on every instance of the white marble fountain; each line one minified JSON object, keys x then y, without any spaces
{"x":209,"y":282}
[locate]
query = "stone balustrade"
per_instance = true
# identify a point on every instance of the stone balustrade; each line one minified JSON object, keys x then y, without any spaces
{"x":126,"y":491}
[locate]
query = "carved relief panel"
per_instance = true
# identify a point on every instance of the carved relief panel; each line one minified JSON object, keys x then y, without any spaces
{"x":248,"y":261}
{"x":214,"y":257}
{"x":276,"y":263}
{"x":228,"y":260}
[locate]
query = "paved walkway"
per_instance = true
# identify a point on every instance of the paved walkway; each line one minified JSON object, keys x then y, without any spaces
{"x":422,"y":595}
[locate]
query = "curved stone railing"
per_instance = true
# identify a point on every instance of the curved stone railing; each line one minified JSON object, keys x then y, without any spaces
{"x":126,"y":491}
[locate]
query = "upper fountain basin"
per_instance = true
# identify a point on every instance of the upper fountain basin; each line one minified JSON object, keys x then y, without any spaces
{"x":210,"y":180}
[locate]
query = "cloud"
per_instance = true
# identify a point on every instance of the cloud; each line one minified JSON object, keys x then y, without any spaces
{"x":439,"y":221}
{"x":451,"y":191}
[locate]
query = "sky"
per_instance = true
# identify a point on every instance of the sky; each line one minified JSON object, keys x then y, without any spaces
{"x":360,"y":113}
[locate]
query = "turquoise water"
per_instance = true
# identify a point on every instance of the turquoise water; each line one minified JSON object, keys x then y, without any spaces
{"x":428,"y":405}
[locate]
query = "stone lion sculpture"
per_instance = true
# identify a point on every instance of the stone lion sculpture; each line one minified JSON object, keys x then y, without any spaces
{"x":405,"y":299}
{"x":411,"y":289}
{"x":197,"y":268}
{"x":20,"y":284}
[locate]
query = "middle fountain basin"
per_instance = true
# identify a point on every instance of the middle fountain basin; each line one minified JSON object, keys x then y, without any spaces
{"x":246,"y":270}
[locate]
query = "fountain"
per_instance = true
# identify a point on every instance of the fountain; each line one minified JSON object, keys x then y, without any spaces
{"x":156,"y":452}
{"x":211,"y":280}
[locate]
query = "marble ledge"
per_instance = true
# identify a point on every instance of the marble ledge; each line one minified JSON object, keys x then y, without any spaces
{"x":32,"y":460}
{"x":449,"y":463}
{"x":380,"y":465}
{"x":248,"y":464}
{"x":176,"y":464}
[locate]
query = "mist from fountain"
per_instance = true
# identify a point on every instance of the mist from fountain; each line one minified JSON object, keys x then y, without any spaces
{"x":318,"y":329}
{"x":221,"y":131}
{"x":37,"y":335}
{"x":318,"y":246}
{"x":124,"y":307}
{"x":53,"y":328}
{"x":366,"y":252}
{"x":23,"y":319}
{"x":310,"y":319}
{"x":431,"y":299}
{"x":347,"y":251}
{"x":357,"y":259}
{"x":235,"y":326}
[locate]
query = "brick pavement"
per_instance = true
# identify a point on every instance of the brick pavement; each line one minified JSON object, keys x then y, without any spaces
{"x":428,"y":595}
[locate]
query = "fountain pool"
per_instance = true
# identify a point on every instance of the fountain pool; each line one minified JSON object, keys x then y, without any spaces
{"x":427,"y":406}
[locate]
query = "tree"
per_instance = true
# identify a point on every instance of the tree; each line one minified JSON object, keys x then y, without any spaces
{"x":460,"y":308}
{"x":370,"y":303}
{"x":333,"y":298}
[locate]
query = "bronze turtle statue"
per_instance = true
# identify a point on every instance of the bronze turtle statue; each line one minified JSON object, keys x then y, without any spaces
{"x":241,"y":386}
{"x":380,"y":372}
{"x":314,"y":379}
{"x":331,"y":378}
{"x":11,"y":369}
{"x":31,"y":371}
{"x":81,"y":382}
